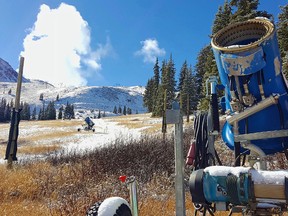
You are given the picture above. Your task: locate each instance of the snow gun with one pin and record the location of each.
(255, 102)
(89, 124)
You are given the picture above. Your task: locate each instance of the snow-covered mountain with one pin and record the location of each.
(7, 73)
(86, 99)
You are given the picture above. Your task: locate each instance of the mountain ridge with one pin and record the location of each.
(86, 99)
(7, 73)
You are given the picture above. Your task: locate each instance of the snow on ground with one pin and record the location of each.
(65, 134)
(105, 133)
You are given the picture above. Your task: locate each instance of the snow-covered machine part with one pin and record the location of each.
(249, 66)
(239, 186)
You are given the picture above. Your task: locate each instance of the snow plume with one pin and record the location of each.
(57, 48)
(150, 50)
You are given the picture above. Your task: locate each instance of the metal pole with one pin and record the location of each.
(133, 195)
(179, 168)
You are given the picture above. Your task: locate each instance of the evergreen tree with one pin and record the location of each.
(129, 111)
(57, 97)
(124, 110)
(149, 95)
(72, 112)
(115, 110)
(283, 38)
(10, 91)
(33, 116)
(119, 110)
(7, 113)
(25, 112)
(246, 9)
(2, 109)
(50, 111)
(183, 73)
(41, 97)
(60, 113)
(69, 111)
(40, 115)
(222, 18)
(170, 86)
(99, 115)
(188, 94)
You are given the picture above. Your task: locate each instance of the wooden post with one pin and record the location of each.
(13, 134)
(164, 124)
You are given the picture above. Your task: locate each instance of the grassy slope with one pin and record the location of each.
(68, 185)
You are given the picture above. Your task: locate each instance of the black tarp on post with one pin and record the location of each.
(11, 149)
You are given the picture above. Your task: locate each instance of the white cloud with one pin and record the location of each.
(57, 48)
(150, 50)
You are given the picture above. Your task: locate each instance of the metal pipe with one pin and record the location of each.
(273, 99)
(133, 195)
(238, 89)
(259, 152)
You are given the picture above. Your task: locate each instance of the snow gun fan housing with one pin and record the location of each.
(256, 101)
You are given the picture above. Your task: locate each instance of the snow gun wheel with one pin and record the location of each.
(93, 130)
(78, 129)
(113, 206)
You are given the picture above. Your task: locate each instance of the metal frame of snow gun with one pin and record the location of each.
(89, 125)
(249, 67)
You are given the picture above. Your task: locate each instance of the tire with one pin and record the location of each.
(93, 130)
(113, 206)
(78, 129)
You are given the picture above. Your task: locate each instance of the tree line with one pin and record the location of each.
(45, 112)
(161, 89)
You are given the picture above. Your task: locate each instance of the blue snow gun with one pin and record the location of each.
(256, 108)
(256, 101)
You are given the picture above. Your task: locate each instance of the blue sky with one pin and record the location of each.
(105, 43)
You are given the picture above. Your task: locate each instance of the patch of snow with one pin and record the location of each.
(225, 170)
(269, 177)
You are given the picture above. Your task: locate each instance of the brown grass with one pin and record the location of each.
(69, 185)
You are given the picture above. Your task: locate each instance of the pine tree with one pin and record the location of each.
(183, 74)
(2, 109)
(69, 111)
(60, 113)
(41, 97)
(171, 83)
(33, 116)
(188, 94)
(222, 18)
(149, 95)
(99, 114)
(40, 115)
(7, 113)
(115, 110)
(50, 111)
(25, 112)
(283, 38)
(119, 110)
(246, 9)
(124, 110)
